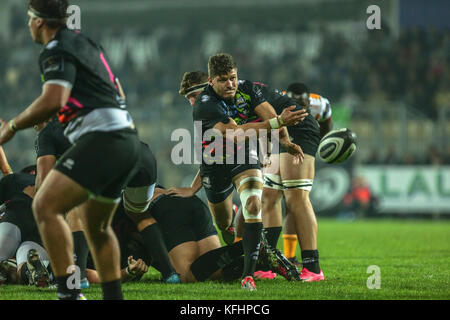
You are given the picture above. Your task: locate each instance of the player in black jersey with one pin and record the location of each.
(51, 143)
(223, 107)
(19, 235)
(286, 177)
(80, 86)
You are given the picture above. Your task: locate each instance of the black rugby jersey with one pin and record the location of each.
(75, 58)
(71, 59)
(51, 140)
(276, 98)
(13, 184)
(210, 109)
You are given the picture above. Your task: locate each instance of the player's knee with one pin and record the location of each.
(253, 205)
(40, 211)
(223, 223)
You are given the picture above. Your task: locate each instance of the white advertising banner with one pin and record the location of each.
(409, 189)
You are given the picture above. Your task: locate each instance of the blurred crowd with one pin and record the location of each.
(391, 156)
(150, 62)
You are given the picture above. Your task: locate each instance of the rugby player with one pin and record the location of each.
(191, 87)
(285, 177)
(194, 247)
(80, 86)
(19, 235)
(227, 105)
(51, 143)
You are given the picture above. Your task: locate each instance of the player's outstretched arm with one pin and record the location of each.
(237, 133)
(53, 97)
(4, 165)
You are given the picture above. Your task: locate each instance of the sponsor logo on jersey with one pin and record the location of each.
(68, 164)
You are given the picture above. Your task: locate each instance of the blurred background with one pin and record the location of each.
(391, 86)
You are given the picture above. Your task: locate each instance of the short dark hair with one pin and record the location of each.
(298, 88)
(192, 79)
(53, 12)
(220, 64)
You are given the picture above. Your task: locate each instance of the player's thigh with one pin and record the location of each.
(182, 256)
(292, 169)
(96, 216)
(274, 165)
(250, 173)
(271, 197)
(58, 194)
(208, 244)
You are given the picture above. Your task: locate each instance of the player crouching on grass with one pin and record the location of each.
(193, 244)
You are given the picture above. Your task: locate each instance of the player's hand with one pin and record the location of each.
(294, 150)
(291, 118)
(136, 267)
(5, 132)
(181, 192)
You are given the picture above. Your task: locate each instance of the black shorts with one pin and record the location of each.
(102, 162)
(147, 174)
(182, 219)
(19, 213)
(306, 134)
(218, 179)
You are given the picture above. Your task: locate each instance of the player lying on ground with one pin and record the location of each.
(194, 247)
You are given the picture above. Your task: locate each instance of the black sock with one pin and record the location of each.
(208, 263)
(251, 242)
(81, 251)
(156, 248)
(112, 290)
(272, 234)
(310, 260)
(63, 292)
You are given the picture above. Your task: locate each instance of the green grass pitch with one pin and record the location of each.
(413, 258)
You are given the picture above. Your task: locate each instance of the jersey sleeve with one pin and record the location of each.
(209, 111)
(255, 90)
(44, 144)
(57, 65)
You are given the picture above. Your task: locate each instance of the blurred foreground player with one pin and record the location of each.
(80, 86)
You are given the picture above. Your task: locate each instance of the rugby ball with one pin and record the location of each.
(337, 146)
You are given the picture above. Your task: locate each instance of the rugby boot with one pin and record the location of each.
(84, 283)
(172, 278)
(264, 275)
(309, 276)
(277, 262)
(38, 273)
(248, 284)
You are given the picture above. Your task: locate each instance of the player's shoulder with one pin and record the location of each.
(66, 42)
(317, 96)
(206, 99)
